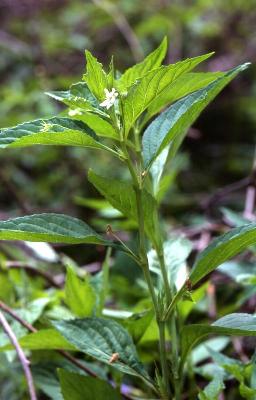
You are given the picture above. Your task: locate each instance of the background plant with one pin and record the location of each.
(141, 92)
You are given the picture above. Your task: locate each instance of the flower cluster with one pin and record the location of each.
(110, 98)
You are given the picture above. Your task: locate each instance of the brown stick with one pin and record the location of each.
(24, 362)
(250, 196)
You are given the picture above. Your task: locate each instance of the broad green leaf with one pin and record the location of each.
(174, 122)
(152, 61)
(231, 325)
(122, 196)
(149, 87)
(222, 249)
(100, 338)
(80, 387)
(53, 131)
(46, 339)
(78, 96)
(95, 76)
(55, 228)
(184, 85)
(79, 294)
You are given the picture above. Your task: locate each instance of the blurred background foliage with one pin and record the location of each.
(42, 48)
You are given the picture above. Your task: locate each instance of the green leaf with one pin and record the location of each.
(232, 325)
(100, 338)
(95, 76)
(53, 131)
(55, 228)
(152, 61)
(185, 84)
(121, 195)
(46, 339)
(222, 249)
(138, 323)
(149, 87)
(98, 125)
(80, 387)
(174, 122)
(78, 96)
(79, 295)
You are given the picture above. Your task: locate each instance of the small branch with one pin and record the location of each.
(212, 309)
(21, 355)
(249, 202)
(123, 26)
(251, 193)
(15, 316)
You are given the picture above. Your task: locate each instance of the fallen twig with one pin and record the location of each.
(24, 361)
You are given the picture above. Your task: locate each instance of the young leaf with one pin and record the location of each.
(79, 295)
(55, 228)
(174, 122)
(232, 325)
(78, 95)
(46, 339)
(221, 249)
(152, 61)
(122, 196)
(95, 76)
(102, 338)
(53, 131)
(152, 85)
(80, 387)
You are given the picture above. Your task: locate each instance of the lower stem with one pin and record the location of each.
(163, 359)
(170, 292)
(144, 264)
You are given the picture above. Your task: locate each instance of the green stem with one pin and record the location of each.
(144, 264)
(167, 287)
(163, 359)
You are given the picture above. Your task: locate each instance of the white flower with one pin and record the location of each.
(110, 98)
(74, 112)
